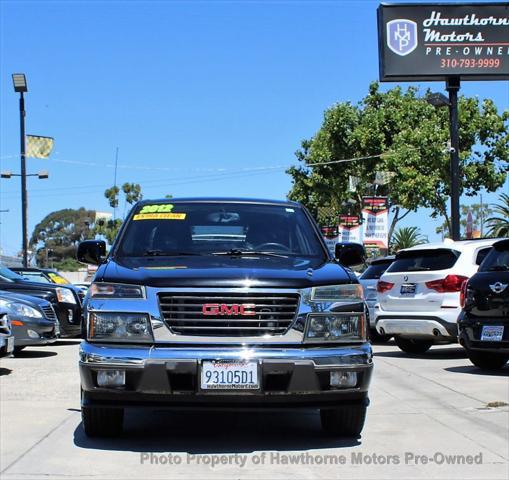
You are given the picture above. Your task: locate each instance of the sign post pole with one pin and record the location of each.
(452, 86)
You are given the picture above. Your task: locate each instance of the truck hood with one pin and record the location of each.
(219, 271)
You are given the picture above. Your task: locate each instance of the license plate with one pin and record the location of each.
(229, 375)
(407, 289)
(10, 344)
(492, 333)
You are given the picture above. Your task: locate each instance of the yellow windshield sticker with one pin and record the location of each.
(57, 278)
(160, 208)
(160, 216)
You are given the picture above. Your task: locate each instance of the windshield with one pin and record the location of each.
(496, 260)
(34, 277)
(9, 274)
(424, 260)
(216, 228)
(375, 270)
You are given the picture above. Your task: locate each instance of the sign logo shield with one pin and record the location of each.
(402, 36)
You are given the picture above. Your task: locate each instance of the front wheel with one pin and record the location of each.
(346, 421)
(410, 345)
(18, 350)
(488, 360)
(102, 422)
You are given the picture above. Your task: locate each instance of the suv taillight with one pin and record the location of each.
(382, 287)
(451, 283)
(463, 294)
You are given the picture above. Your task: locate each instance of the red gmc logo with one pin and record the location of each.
(244, 309)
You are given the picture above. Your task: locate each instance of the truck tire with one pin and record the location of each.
(487, 360)
(410, 345)
(102, 422)
(346, 421)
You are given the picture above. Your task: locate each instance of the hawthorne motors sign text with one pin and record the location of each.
(436, 41)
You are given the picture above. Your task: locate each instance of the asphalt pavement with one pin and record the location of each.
(432, 416)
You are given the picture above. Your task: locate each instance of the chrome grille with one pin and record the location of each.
(264, 314)
(49, 313)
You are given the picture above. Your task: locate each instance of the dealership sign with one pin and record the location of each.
(375, 213)
(349, 228)
(428, 42)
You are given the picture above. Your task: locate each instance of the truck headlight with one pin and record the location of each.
(20, 309)
(65, 295)
(115, 290)
(349, 292)
(330, 327)
(120, 327)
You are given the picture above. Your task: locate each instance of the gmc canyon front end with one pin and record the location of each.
(223, 303)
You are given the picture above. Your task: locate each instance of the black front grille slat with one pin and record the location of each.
(49, 312)
(274, 314)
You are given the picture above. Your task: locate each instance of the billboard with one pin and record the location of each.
(427, 42)
(330, 235)
(375, 213)
(349, 228)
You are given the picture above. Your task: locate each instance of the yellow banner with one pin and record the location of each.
(39, 147)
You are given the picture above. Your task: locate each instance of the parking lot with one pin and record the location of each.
(431, 416)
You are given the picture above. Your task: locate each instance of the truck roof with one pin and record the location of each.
(222, 200)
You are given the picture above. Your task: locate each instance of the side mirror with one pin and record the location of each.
(349, 254)
(92, 251)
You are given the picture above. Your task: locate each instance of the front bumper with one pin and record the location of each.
(290, 377)
(25, 335)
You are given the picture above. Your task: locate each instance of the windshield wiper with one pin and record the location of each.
(234, 252)
(498, 268)
(418, 269)
(160, 253)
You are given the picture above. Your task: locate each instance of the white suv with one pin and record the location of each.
(419, 294)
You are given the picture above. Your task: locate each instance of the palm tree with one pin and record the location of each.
(499, 226)
(406, 237)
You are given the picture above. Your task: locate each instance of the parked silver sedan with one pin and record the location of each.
(32, 319)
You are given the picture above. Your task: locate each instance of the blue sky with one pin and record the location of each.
(196, 95)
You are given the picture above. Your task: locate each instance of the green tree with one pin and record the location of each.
(406, 237)
(499, 225)
(480, 214)
(57, 236)
(400, 133)
(109, 228)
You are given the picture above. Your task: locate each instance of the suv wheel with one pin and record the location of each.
(102, 422)
(376, 337)
(409, 345)
(487, 360)
(346, 421)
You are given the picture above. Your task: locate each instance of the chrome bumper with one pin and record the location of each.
(138, 356)
(170, 377)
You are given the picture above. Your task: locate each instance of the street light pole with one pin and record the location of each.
(452, 86)
(24, 209)
(20, 86)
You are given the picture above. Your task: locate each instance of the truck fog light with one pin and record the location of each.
(343, 379)
(111, 378)
(32, 334)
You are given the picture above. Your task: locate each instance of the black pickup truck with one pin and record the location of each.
(484, 321)
(224, 303)
(65, 300)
